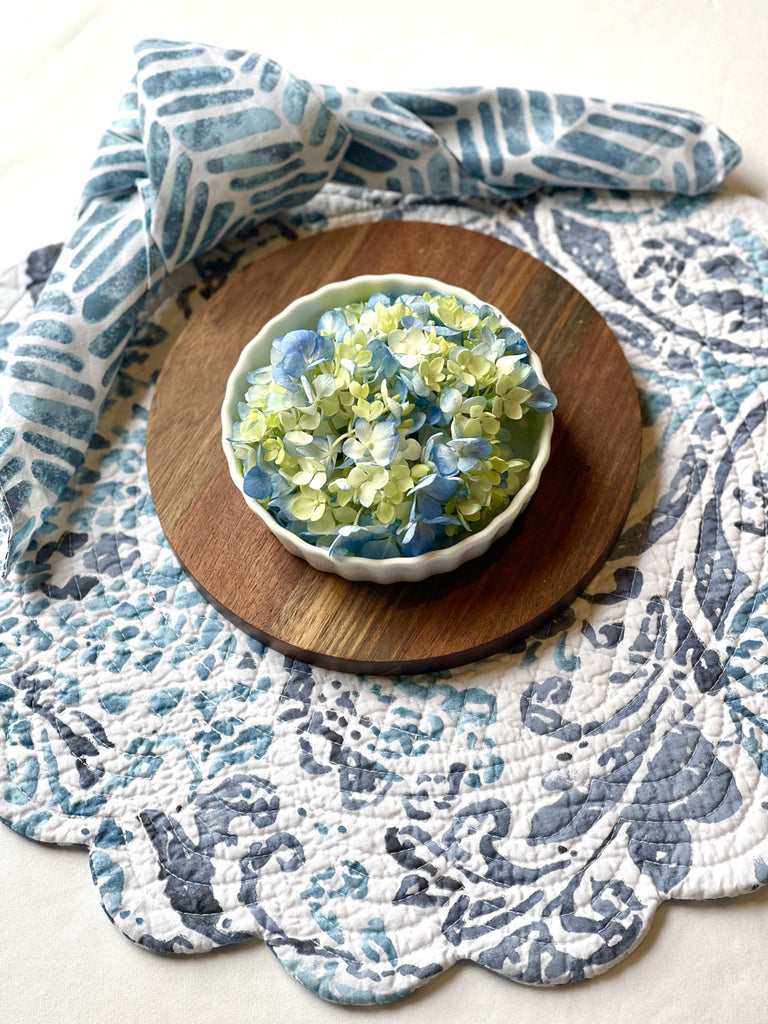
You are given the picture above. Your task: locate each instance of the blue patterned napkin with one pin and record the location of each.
(529, 812)
(208, 143)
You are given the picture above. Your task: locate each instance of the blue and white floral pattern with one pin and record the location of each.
(528, 812)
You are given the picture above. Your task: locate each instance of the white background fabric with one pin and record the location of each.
(62, 71)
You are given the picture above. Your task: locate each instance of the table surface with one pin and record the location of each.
(63, 69)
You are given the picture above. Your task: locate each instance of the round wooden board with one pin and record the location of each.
(448, 620)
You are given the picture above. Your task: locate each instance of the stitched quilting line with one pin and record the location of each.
(260, 932)
(703, 391)
(617, 805)
(415, 951)
(689, 673)
(393, 726)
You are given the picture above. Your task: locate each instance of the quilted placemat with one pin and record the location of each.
(528, 812)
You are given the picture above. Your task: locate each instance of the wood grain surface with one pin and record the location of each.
(524, 579)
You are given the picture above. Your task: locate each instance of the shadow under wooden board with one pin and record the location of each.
(448, 620)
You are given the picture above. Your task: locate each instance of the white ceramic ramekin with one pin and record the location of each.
(304, 314)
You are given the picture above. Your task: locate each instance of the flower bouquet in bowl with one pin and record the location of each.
(387, 428)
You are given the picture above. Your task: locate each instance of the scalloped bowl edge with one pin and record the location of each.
(303, 313)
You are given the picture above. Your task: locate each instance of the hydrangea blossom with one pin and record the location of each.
(393, 428)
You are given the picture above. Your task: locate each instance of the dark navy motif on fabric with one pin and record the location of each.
(529, 812)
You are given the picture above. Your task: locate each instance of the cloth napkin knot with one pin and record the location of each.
(209, 142)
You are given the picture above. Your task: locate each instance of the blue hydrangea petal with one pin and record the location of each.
(257, 484)
(417, 304)
(333, 322)
(417, 538)
(515, 343)
(451, 333)
(440, 487)
(542, 399)
(350, 539)
(297, 351)
(445, 459)
(411, 321)
(384, 365)
(450, 400)
(472, 447)
(386, 547)
(280, 507)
